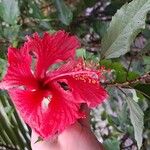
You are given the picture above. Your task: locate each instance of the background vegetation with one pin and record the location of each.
(120, 43)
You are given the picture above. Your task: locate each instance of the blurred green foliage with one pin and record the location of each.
(122, 46)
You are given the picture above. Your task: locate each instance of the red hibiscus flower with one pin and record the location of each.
(48, 85)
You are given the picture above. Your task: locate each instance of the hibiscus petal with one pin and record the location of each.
(87, 90)
(59, 114)
(18, 72)
(52, 48)
(65, 68)
(83, 83)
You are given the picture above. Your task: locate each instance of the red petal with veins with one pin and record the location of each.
(52, 48)
(18, 72)
(87, 90)
(28, 104)
(59, 114)
(84, 87)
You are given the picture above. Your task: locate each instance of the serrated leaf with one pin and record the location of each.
(137, 118)
(124, 27)
(64, 12)
(10, 11)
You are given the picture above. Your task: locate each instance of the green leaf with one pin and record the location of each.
(123, 116)
(120, 71)
(64, 12)
(124, 27)
(9, 111)
(92, 56)
(100, 27)
(89, 3)
(113, 6)
(2, 67)
(143, 88)
(10, 11)
(132, 75)
(106, 62)
(147, 63)
(81, 52)
(146, 49)
(146, 33)
(11, 32)
(113, 120)
(12, 130)
(137, 118)
(35, 10)
(111, 144)
(1, 9)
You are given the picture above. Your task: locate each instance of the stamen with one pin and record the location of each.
(86, 78)
(71, 74)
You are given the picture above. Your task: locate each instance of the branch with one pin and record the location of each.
(145, 79)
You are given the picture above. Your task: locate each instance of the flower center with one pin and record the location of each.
(42, 85)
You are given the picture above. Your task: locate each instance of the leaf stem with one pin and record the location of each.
(127, 84)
